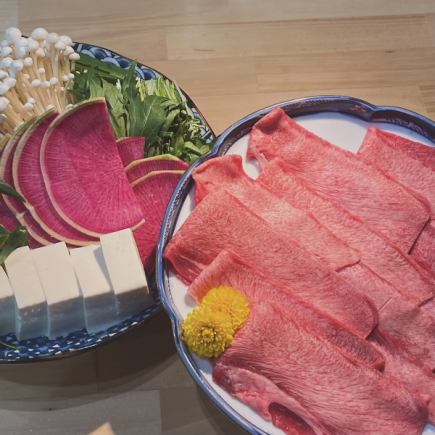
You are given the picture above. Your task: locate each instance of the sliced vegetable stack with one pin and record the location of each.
(69, 170)
(87, 148)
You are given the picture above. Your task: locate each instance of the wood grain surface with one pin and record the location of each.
(232, 57)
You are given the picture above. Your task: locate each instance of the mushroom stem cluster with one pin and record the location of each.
(34, 74)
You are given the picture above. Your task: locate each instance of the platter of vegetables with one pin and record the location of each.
(92, 146)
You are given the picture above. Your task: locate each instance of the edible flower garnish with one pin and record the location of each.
(207, 333)
(210, 328)
(228, 301)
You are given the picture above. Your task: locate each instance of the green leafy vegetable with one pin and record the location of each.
(154, 108)
(7, 189)
(9, 241)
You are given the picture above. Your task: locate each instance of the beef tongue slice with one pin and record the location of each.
(384, 258)
(336, 396)
(413, 165)
(221, 222)
(227, 269)
(341, 177)
(293, 223)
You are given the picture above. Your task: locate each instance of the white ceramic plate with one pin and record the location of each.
(341, 129)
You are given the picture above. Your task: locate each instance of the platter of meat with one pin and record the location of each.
(296, 262)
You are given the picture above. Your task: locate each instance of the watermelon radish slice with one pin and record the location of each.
(17, 208)
(29, 182)
(139, 168)
(10, 222)
(130, 148)
(84, 174)
(7, 218)
(153, 192)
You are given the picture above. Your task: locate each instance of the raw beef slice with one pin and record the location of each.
(395, 283)
(416, 150)
(227, 269)
(341, 177)
(330, 393)
(406, 370)
(424, 248)
(413, 165)
(221, 222)
(382, 257)
(296, 225)
(399, 164)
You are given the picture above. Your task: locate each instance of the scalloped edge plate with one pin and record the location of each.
(338, 119)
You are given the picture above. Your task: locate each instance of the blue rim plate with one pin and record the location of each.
(360, 110)
(41, 348)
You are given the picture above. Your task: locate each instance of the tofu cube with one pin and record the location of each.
(94, 281)
(7, 305)
(126, 273)
(61, 288)
(30, 300)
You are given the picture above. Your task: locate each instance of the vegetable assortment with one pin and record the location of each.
(42, 74)
(152, 108)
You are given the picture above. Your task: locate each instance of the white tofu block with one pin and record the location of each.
(126, 273)
(7, 305)
(94, 281)
(61, 288)
(30, 301)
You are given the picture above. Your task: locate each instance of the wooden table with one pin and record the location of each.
(232, 57)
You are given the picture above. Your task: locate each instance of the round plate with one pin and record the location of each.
(341, 120)
(41, 348)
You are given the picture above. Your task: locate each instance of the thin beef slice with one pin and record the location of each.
(400, 165)
(341, 177)
(385, 271)
(406, 370)
(288, 421)
(221, 222)
(337, 395)
(424, 249)
(413, 165)
(295, 224)
(416, 150)
(382, 257)
(227, 269)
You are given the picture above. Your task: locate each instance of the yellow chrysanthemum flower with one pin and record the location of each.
(207, 333)
(209, 329)
(228, 301)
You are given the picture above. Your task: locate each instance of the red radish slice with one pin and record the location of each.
(7, 218)
(139, 168)
(83, 172)
(17, 207)
(153, 192)
(10, 222)
(29, 182)
(130, 148)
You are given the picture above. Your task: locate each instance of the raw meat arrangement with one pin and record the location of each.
(335, 254)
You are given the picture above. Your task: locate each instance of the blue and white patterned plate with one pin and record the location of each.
(341, 120)
(41, 348)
